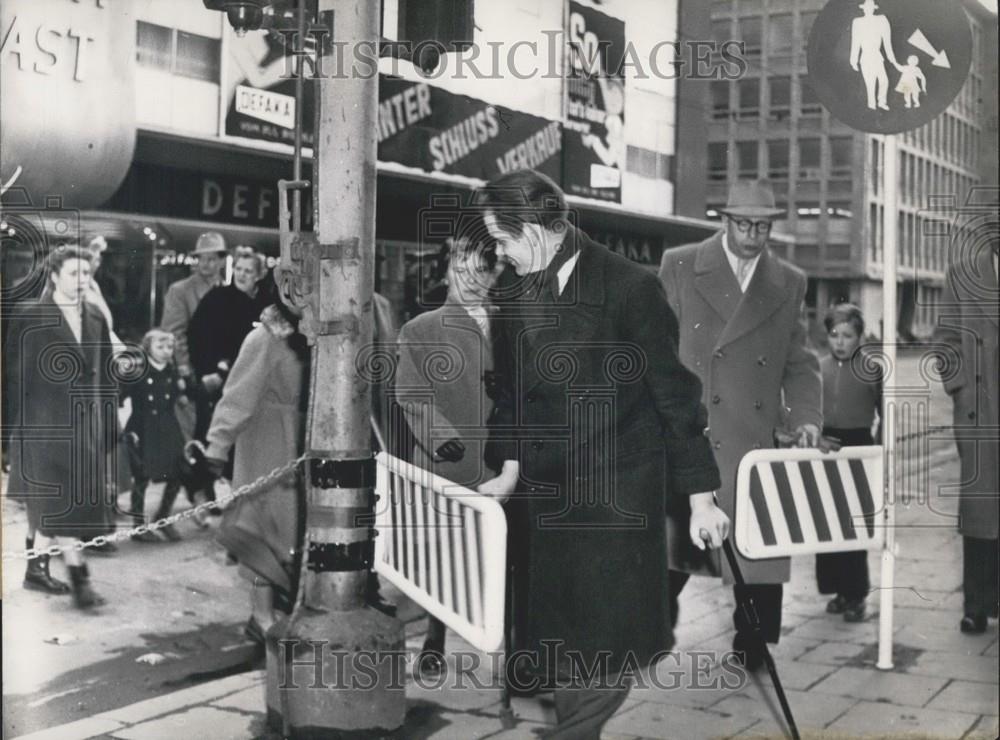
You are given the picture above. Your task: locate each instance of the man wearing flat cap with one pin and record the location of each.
(742, 332)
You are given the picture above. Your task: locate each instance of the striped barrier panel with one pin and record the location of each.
(445, 547)
(802, 501)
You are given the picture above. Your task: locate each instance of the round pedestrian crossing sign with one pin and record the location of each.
(886, 66)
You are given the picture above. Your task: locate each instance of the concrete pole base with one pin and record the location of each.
(336, 674)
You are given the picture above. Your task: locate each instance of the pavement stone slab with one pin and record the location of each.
(878, 686)
(200, 694)
(878, 719)
(833, 653)
(794, 674)
(832, 628)
(793, 648)
(813, 711)
(248, 700)
(981, 668)
(648, 719)
(425, 722)
(461, 700)
(988, 728)
(193, 723)
(948, 640)
(911, 598)
(689, 681)
(966, 696)
(539, 709)
(79, 730)
(916, 575)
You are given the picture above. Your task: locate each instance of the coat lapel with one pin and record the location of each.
(714, 279)
(574, 317)
(764, 296)
(90, 333)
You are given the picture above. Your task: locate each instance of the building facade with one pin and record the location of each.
(769, 123)
(212, 118)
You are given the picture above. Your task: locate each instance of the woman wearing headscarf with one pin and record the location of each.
(261, 416)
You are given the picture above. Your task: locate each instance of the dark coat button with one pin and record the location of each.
(972, 414)
(762, 361)
(716, 399)
(757, 404)
(718, 445)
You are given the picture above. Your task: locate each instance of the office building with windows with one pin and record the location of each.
(769, 123)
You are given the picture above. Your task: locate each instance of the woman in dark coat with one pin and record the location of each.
(60, 380)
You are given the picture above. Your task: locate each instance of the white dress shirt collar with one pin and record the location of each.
(734, 264)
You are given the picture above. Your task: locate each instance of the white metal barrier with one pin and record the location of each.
(803, 501)
(445, 547)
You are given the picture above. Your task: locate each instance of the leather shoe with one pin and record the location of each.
(107, 549)
(147, 537)
(973, 624)
(836, 605)
(854, 611)
(747, 652)
(37, 578)
(430, 663)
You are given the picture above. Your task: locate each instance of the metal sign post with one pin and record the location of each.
(883, 68)
(890, 246)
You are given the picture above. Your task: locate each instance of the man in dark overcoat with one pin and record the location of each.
(967, 323)
(597, 426)
(742, 332)
(63, 402)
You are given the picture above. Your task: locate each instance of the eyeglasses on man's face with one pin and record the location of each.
(745, 225)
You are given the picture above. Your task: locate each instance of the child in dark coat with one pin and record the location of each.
(156, 440)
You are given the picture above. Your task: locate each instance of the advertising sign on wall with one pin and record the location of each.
(420, 125)
(594, 134)
(437, 131)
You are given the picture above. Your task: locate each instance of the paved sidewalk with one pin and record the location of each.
(944, 684)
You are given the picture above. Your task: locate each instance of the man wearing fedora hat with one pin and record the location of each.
(184, 296)
(741, 331)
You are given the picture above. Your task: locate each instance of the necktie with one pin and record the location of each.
(742, 270)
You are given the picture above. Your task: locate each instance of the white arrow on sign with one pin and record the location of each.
(940, 58)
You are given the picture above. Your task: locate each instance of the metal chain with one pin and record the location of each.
(924, 432)
(249, 489)
(263, 482)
